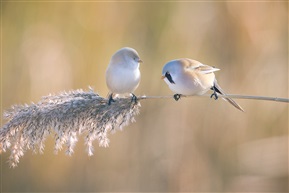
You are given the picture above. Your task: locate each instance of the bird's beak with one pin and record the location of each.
(140, 61)
(163, 77)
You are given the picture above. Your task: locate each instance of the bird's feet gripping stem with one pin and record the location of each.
(177, 97)
(133, 98)
(110, 99)
(214, 95)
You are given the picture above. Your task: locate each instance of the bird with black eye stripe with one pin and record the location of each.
(189, 77)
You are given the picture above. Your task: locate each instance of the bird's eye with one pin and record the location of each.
(169, 77)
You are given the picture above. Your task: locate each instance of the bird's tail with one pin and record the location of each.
(219, 90)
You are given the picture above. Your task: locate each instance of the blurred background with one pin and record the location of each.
(194, 145)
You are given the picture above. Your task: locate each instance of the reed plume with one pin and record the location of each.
(66, 116)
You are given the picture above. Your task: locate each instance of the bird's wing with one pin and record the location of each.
(203, 69)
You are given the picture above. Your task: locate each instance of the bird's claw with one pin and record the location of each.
(177, 97)
(133, 98)
(214, 95)
(110, 99)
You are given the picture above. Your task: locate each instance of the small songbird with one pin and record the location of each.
(122, 73)
(190, 77)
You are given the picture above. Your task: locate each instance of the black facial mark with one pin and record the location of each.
(169, 77)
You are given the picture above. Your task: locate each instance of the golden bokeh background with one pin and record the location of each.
(196, 144)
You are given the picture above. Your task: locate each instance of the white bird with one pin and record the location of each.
(189, 77)
(122, 73)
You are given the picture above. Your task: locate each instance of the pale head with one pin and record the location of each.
(173, 68)
(127, 57)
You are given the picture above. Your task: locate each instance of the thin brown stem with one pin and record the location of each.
(235, 96)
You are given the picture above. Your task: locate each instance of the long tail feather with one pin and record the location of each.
(219, 90)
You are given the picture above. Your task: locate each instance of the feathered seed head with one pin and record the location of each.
(66, 116)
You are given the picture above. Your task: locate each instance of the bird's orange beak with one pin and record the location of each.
(140, 61)
(163, 77)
